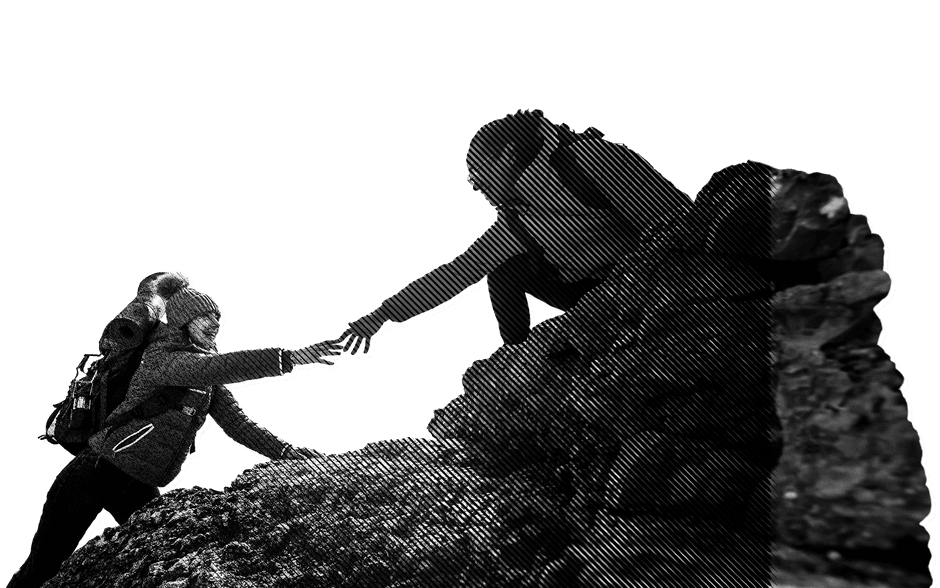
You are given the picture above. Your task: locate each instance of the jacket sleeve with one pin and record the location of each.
(189, 369)
(494, 247)
(230, 417)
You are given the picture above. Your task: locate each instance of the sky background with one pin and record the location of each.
(302, 162)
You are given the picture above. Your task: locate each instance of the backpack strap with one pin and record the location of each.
(575, 180)
(572, 176)
(102, 367)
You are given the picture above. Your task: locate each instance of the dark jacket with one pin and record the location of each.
(176, 386)
(580, 239)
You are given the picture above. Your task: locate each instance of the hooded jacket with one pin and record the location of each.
(172, 392)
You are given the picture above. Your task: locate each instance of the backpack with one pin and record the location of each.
(102, 379)
(96, 390)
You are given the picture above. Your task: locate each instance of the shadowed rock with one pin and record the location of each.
(630, 442)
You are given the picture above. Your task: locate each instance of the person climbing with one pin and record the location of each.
(148, 436)
(569, 206)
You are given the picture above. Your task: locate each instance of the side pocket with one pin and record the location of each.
(54, 419)
(133, 438)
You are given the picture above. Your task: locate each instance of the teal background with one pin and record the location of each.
(302, 163)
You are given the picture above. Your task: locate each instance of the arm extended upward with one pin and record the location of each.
(447, 284)
(436, 290)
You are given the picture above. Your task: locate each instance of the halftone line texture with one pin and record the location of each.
(544, 216)
(616, 424)
(630, 442)
(643, 460)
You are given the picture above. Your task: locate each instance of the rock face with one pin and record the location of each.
(850, 483)
(718, 408)
(654, 398)
(395, 514)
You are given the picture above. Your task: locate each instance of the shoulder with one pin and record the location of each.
(163, 357)
(165, 350)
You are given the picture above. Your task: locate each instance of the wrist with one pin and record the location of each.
(284, 450)
(384, 313)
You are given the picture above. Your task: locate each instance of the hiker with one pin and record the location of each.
(179, 382)
(569, 206)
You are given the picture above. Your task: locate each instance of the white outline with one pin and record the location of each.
(149, 429)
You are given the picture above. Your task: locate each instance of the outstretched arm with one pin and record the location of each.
(185, 368)
(494, 247)
(188, 369)
(239, 427)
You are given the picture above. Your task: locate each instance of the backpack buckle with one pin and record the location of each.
(188, 410)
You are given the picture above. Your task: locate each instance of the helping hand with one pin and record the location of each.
(362, 330)
(315, 353)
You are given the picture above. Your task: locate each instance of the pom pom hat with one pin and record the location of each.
(183, 303)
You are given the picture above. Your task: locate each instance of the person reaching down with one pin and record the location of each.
(569, 207)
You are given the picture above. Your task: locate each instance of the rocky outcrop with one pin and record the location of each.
(851, 491)
(393, 514)
(717, 410)
(654, 398)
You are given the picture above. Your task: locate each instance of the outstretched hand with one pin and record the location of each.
(317, 353)
(361, 331)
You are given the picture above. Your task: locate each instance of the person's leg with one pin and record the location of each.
(127, 494)
(71, 506)
(562, 295)
(507, 285)
(513, 279)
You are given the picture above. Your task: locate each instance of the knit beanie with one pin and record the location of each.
(183, 303)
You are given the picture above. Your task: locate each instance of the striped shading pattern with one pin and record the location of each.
(631, 442)
(570, 205)
(654, 399)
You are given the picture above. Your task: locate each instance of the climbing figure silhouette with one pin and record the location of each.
(569, 206)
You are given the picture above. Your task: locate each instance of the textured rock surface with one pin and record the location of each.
(851, 491)
(629, 442)
(398, 513)
(654, 397)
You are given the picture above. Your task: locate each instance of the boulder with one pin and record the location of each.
(717, 409)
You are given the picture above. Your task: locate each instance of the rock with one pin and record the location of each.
(717, 408)
(812, 215)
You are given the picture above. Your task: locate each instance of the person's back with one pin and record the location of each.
(588, 200)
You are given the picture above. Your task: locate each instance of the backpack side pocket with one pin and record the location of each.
(133, 438)
(152, 450)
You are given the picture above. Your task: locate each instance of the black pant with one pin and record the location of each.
(82, 489)
(521, 275)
